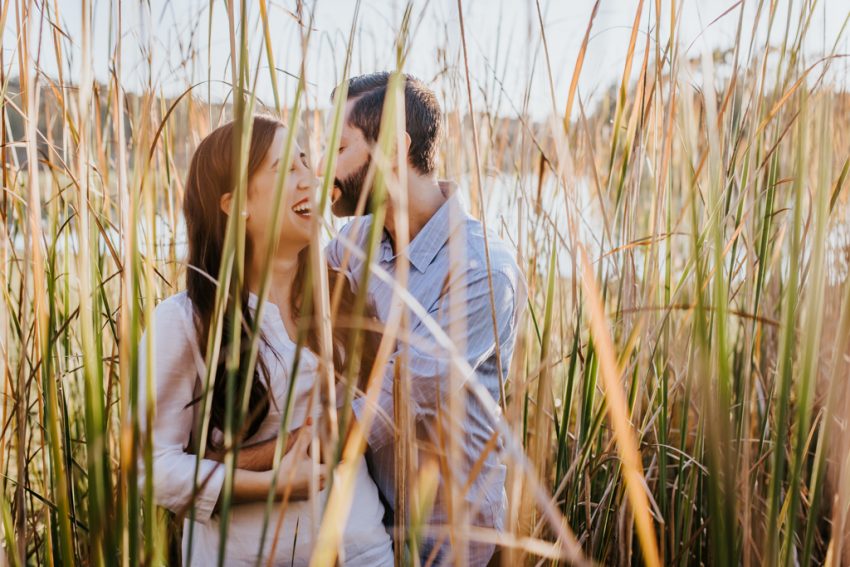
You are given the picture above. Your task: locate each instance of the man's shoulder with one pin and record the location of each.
(353, 233)
(503, 268)
(356, 229)
(502, 254)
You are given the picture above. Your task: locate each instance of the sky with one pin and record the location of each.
(503, 39)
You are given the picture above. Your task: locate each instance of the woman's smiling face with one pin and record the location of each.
(299, 194)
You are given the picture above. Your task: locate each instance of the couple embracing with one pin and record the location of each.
(488, 317)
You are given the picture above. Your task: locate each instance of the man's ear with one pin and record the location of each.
(225, 203)
(406, 142)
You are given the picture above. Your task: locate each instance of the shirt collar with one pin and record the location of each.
(431, 238)
(253, 301)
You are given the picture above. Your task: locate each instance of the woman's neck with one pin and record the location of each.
(282, 268)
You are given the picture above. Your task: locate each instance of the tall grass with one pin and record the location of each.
(677, 393)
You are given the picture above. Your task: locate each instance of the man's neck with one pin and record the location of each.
(425, 196)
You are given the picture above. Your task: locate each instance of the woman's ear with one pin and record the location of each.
(225, 202)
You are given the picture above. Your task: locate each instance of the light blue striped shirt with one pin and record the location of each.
(432, 280)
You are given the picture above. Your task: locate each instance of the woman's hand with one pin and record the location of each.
(297, 470)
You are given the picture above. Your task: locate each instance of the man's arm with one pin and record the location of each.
(430, 368)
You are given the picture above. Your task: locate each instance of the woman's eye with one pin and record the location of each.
(341, 149)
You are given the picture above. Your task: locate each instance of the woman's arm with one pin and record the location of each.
(255, 457)
(294, 477)
(167, 375)
(249, 486)
(168, 367)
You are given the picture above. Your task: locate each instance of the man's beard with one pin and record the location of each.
(350, 190)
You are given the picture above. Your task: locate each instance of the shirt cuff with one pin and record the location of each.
(382, 430)
(210, 483)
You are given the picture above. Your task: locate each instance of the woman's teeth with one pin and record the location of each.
(302, 209)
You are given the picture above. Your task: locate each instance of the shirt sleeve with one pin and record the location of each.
(172, 372)
(429, 363)
(333, 253)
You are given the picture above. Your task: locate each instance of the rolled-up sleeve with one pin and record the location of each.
(173, 371)
(333, 253)
(429, 364)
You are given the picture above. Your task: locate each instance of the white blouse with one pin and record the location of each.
(178, 369)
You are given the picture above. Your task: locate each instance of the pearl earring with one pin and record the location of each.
(245, 214)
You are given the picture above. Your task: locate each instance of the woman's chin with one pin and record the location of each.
(295, 241)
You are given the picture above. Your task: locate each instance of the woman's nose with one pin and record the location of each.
(308, 181)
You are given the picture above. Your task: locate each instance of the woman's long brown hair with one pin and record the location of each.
(210, 177)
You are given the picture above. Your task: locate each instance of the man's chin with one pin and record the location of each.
(338, 211)
(343, 207)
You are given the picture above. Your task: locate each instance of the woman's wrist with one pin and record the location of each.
(279, 478)
(251, 486)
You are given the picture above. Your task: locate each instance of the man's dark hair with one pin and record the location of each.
(422, 115)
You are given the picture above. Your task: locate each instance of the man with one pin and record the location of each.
(438, 227)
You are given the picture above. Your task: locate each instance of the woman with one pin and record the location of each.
(182, 325)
